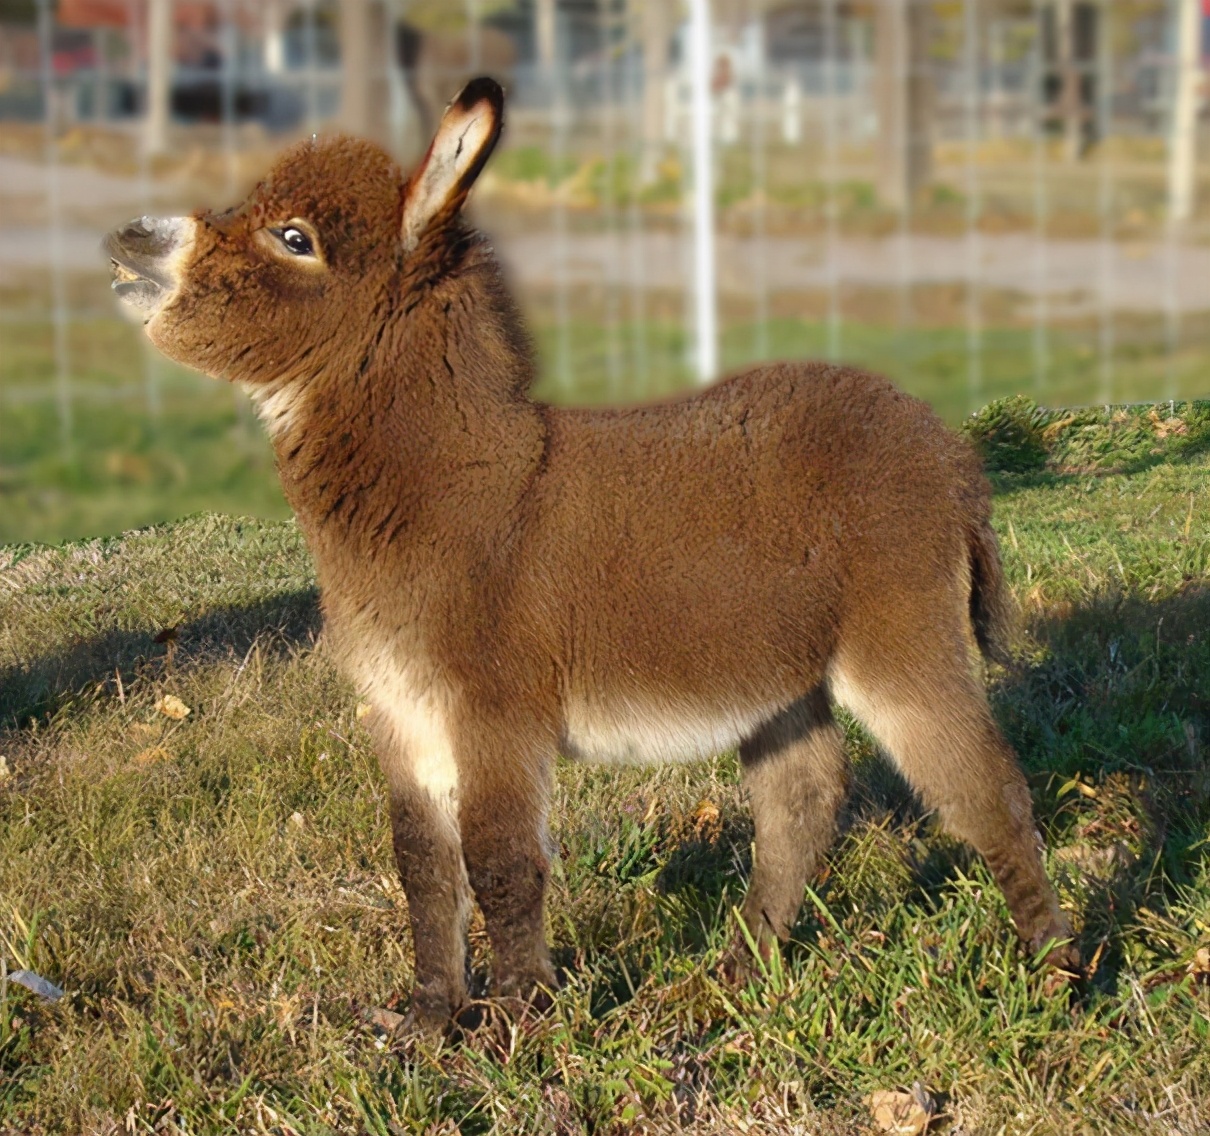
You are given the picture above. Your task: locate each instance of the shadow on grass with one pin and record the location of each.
(1110, 721)
(47, 683)
(1110, 724)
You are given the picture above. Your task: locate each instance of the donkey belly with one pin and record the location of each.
(625, 732)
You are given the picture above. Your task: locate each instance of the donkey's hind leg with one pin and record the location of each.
(923, 704)
(796, 773)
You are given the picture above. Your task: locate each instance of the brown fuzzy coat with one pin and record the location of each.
(505, 580)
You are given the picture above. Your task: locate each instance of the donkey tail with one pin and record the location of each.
(993, 612)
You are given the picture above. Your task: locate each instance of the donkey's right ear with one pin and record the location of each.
(463, 143)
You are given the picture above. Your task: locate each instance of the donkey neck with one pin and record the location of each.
(420, 449)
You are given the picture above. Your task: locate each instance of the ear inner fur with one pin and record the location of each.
(464, 141)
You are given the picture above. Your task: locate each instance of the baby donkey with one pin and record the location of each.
(506, 580)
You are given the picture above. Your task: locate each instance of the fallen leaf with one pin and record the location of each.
(172, 707)
(363, 708)
(707, 823)
(1165, 426)
(1200, 966)
(4, 769)
(1051, 433)
(151, 755)
(900, 1113)
(296, 819)
(285, 1010)
(384, 1019)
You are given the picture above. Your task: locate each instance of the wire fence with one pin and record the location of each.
(978, 197)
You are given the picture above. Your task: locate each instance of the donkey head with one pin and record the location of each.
(305, 265)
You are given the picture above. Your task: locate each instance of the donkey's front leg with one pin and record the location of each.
(503, 806)
(428, 854)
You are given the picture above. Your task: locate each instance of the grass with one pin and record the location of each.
(143, 446)
(149, 442)
(930, 362)
(597, 175)
(216, 894)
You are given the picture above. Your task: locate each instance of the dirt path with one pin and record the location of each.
(1079, 275)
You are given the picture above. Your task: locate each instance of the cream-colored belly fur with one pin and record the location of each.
(617, 733)
(634, 734)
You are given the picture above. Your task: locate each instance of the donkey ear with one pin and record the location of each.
(463, 142)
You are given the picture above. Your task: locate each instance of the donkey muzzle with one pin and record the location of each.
(145, 260)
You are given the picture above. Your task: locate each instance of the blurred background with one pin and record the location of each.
(976, 197)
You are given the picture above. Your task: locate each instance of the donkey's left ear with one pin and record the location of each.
(463, 143)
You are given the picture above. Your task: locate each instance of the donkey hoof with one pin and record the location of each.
(490, 1025)
(535, 991)
(1066, 957)
(737, 969)
(1065, 966)
(423, 1022)
(739, 966)
(1056, 937)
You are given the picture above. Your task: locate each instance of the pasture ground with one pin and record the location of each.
(215, 892)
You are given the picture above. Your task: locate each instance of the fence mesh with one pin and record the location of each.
(976, 197)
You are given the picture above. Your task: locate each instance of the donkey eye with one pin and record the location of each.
(297, 242)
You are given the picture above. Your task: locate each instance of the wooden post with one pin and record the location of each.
(701, 59)
(159, 76)
(364, 91)
(474, 38)
(274, 49)
(355, 65)
(654, 28)
(905, 100)
(1071, 103)
(1182, 143)
(546, 28)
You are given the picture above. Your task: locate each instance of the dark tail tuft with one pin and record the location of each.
(993, 613)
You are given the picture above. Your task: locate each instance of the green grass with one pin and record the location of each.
(132, 459)
(598, 173)
(217, 897)
(929, 362)
(142, 447)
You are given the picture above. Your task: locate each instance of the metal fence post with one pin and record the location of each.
(704, 286)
